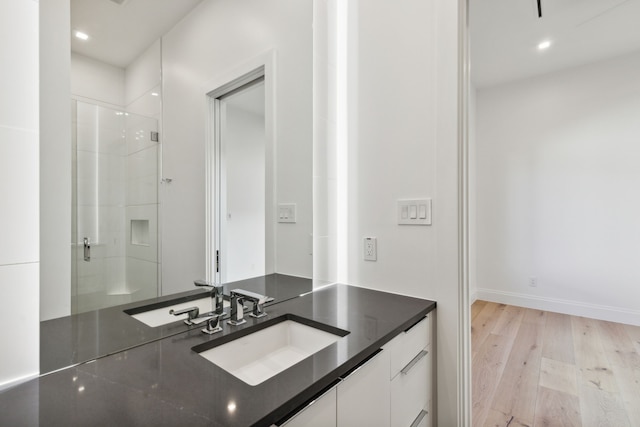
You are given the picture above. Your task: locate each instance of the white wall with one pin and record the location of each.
(557, 180)
(403, 143)
(55, 167)
(97, 82)
(143, 79)
(216, 37)
(19, 190)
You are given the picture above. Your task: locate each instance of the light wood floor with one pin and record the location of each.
(537, 368)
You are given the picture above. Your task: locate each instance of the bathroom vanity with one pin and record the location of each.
(377, 371)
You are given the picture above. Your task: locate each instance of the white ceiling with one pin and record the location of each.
(505, 34)
(120, 33)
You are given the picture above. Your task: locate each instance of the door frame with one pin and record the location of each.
(262, 65)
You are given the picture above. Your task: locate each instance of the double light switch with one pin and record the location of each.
(414, 212)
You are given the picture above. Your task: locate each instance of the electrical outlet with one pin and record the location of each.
(370, 249)
(533, 282)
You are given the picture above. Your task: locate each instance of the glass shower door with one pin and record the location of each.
(115, 207)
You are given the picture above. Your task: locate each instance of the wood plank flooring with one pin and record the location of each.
(534, 368)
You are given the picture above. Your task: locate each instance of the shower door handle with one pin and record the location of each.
(87, 249)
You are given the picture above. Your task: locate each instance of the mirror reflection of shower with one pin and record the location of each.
(114, 207)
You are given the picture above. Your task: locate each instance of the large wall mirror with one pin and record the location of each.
(140, 70)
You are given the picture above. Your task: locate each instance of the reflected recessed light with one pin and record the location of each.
(544, 45)
(82, 36)
(231, 407)
(154, 93)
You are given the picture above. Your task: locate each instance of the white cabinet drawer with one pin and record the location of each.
(321, 413)
(411, 390)
(363, 396)
(407, 345)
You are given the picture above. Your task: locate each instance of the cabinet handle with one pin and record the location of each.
(413, 362)
(360, 365)
(284, 421)
(415, 324)
(419, 418)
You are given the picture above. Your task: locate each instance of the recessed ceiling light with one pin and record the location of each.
(82, 36)
(544, 45)
(154, 93)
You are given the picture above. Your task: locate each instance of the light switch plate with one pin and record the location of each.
(414, 212)
(286, 212)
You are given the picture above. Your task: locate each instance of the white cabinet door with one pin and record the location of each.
(410, 391)
(363, 396)
(321, 413)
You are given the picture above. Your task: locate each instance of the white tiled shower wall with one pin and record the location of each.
(117, 181)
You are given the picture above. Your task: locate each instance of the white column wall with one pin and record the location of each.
(403, 143)
(19, 190)
(55, 167)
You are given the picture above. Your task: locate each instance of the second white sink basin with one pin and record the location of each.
(259, 356)
(161, 316)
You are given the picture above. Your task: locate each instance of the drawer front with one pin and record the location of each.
(411, 391)
(363, 396)
(322, 413)
(405, 346)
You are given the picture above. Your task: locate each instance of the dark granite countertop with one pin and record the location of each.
(82, 337)
(165, 382)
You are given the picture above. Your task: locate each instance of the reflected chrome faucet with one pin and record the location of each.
(192, 314)
(217, 297)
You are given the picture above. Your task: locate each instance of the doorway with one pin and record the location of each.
(241, 168)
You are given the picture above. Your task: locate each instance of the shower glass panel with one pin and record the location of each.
(115, 207)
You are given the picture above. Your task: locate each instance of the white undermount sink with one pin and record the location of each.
(256, 357)
(161, 316)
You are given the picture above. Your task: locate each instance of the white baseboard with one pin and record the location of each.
(15, 382)
(574, 308)
(473, 296)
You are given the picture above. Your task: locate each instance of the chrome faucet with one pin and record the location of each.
(238, 296)
(192, 314)
(217, 297)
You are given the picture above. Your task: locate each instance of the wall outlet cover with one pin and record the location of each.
(370, 249)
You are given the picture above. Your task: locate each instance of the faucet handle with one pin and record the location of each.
(213, 325)
(192, 313)
(258, 310)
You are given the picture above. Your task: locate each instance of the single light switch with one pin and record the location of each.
(413, 212)
(422, 211)
(405, 212)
